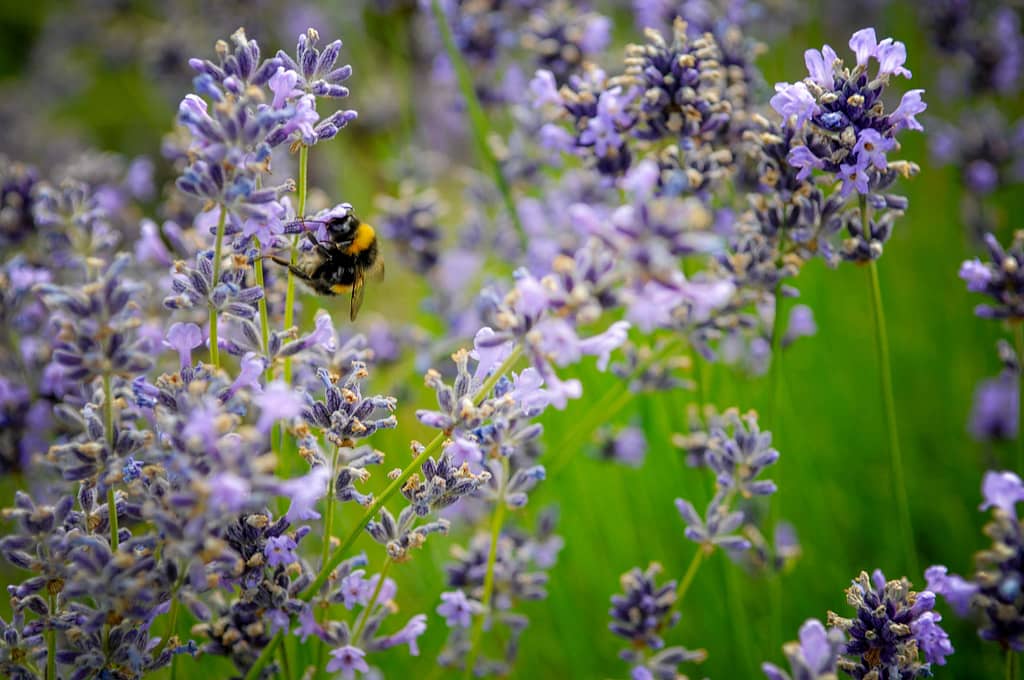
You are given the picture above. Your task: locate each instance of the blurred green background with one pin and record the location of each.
(834, 474)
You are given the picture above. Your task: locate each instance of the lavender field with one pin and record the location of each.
(647, 339)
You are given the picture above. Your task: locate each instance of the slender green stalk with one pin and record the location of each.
(430, 449)
(264, 658)
(1018, 336)
(775, 423)
(172, 628)
(889, 408)
(699, 378)
(373, 601)
(51, 639)
(302, 190)
(262, 304)
(492, 558)
(108, 426)
(328, 532)
(300, 212)
(477, 118)
(218, 253)
(1011, 665)
(775, 415)
(691, 573)
(283, 649)
(329, 512)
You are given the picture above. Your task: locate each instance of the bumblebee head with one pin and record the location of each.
(342, 229)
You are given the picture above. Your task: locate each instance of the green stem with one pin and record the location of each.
(430, 449)
(51, 639)
(699, 380)
(326, 547)
(289, 296)
(373, 601)
(776, 368)
(1018, 336)
(889, 404)
(329, 513)
(492, 558)
(262, 304)
(283, 649)
(477, 118)
(691, 573)
(300, 212)
(218, 249)
(172, 626)
(108, 426)
(775, 423)
(1011, 665)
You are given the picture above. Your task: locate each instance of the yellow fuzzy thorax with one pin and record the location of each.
(364, 237)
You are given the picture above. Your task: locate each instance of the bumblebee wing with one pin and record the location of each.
(358, 291)
(376, 270)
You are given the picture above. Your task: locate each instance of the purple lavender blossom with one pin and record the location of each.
(1002, 490)
(892, 623)
(1001, 279)
(958, 592)
(457, 609)
(280, 551)
(814, 657)
(846, 131)
(348, 660)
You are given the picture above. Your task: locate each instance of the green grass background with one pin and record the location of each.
(836, 486)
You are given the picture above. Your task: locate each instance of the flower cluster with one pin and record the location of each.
(519, 563)
(642, 614)
(892, 626)
(993, 592)
(737, 455)
(1002, 279)
(847, 133)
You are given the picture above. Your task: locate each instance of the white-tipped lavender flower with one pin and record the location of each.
(993, 593)
(682, 85)
(739, 452)
(892, 626)
(846, 133)
(96, 325)
(1002, 279)
(402, 534)
(642, 614)
(344, 415)
(719, 527)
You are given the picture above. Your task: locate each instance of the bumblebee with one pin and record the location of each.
(342, 263)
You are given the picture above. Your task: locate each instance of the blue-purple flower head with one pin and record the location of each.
(1001, 278)
(682, 83)
(891, 626)
(457, 609)
(562, 36)
(993, 594)
(847, 132)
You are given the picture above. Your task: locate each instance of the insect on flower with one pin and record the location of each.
(341, 258)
